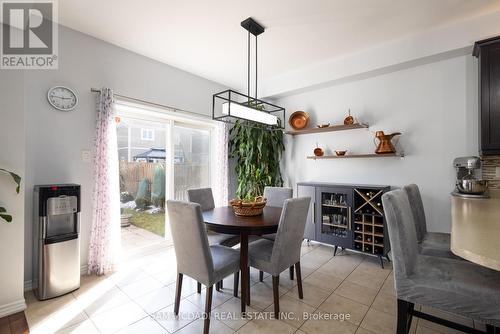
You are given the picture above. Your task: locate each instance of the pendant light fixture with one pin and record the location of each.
(230, 106)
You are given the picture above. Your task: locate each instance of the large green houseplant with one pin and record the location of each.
(257, 151)
(17, 179)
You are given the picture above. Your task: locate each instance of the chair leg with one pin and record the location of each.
(404, 316)
(199, 287)
(208, 310)
(221, 284)
(299, 280)
(261, 276)
(276, 282)
(235, 287)
(178, 291)
(291, 272)
(335, 250)
(248, 287)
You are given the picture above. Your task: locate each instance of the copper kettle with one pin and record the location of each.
(385, 145)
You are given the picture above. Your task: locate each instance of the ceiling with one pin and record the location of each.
(204, 37)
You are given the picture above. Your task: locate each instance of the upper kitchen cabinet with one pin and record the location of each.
(488, 52)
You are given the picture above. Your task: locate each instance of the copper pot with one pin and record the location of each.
(385, 145)
(318, 151)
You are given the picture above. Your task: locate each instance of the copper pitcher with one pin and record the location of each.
(385, 145)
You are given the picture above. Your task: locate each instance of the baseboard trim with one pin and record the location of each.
(28, 285)
(11, 308)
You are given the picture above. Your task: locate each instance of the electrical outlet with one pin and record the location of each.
(86, 156)
(497, 172)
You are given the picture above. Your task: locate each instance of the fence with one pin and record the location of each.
(186, 176)
(132, 173)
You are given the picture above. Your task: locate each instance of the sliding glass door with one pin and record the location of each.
(191, 158)
(161, 157)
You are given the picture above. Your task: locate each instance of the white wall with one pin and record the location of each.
(434, 105)
(455, 38)
(54, 140)
(12, 158)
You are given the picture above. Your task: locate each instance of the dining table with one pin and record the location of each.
(475, 229)
(224, 220)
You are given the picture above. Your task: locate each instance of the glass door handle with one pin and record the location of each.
(349, 214)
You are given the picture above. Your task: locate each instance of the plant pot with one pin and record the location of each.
(125, 219)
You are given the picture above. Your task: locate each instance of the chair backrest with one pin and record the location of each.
(286, 249)
(202, 196)
(417, 208)
(190, 240)
(402, 233)
(276, 196)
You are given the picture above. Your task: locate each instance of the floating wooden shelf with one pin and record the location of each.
(328, 129)
(350, 156)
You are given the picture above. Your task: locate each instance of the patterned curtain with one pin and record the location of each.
(105, 231)
(220, 185)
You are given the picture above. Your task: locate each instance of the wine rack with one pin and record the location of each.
(347, 216)
(369, 228)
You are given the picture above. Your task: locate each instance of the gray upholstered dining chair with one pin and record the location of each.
(205, 198)
(276, 197)
(197, 259)
(455, 286)
(430, 243)
(276, 256)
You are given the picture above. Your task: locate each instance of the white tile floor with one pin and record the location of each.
(134, 238)
(139, 299)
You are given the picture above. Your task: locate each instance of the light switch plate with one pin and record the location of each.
(497, 172)
(86, 155)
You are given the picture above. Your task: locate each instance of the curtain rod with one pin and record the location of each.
(95, 90)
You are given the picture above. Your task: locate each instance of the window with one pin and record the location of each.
(148, 134)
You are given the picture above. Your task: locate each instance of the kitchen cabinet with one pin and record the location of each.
(349, 216)
(488, 53)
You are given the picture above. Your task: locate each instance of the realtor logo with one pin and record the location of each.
(29, 34)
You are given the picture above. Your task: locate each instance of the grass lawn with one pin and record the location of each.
(152, 222)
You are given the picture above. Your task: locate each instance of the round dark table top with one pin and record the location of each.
(223, 220)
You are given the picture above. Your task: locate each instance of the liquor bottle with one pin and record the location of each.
(367, 249)
(357, 246)
(368, 239)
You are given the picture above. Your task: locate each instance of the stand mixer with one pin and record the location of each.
(469, 183)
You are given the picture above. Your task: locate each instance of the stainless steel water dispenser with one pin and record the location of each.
(56, 249)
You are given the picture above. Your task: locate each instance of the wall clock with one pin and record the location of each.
(62, 98)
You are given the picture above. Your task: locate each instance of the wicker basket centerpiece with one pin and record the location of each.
(248, 208)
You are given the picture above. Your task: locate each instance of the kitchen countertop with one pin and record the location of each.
(475, 230)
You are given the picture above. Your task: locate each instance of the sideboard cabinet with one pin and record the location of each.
(350, 216)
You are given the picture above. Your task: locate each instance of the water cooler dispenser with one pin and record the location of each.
(56, 249)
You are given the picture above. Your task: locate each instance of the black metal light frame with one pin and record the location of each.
(230, 96)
